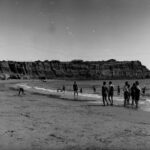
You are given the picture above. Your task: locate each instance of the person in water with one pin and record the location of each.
(137, 93)
(63, 89)
(104, 93)
(94, 89)
(110, 93)
(75, 88)
(126, 93)
(81, 90)
(118, 90)
(133, 93)
(143, 91)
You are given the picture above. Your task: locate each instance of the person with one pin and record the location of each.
(75, 88)
(94, 89)
(133, 93)
(126, 93)
(63, 89)
(81, 90)
(110, 93)
(104, 93)
(21, 91)
(118, 90)
(143, 90)
(137, 93)
(129, 94)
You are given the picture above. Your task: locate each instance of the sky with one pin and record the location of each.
(75, 29)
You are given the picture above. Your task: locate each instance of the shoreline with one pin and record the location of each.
(92, 99)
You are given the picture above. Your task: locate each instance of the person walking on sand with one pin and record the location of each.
(104, 93)
(75, 88)
(137, 93)
(126, 93)
(110, 93)
(133, 93)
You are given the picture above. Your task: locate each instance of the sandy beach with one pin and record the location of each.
(42, 122)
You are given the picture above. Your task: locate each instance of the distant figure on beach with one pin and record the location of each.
(137, 93)
(94, 89)
(126, 93)
(110, 93)
(63, 88)
(75, 88)
(143, 90)
(21, 91)
(129, 94)
(81, 90)
(133, 93)
(104, 93)
(118, 90)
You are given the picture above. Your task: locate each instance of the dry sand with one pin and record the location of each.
(34, 122)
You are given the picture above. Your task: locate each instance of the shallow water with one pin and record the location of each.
(144, 103)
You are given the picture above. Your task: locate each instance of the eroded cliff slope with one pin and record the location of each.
(76, 69)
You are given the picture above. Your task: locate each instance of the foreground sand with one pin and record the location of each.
(34, 121)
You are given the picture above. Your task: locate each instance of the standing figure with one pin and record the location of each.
(126, 93)
(81, 90)
(129, 94)
(75, 88)
(110, 93)
(133, 93)
(104, 93)
(118, 90)
(94, 89)
(137, 93)
(143, 91)
(63, 89)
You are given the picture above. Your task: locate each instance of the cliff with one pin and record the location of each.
(76, 69)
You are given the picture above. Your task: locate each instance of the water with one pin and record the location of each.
(51, 86)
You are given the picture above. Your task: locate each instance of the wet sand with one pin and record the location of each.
(36, 121)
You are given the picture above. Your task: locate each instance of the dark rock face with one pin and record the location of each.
(76, 69)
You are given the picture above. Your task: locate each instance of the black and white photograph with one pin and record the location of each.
(74, 74)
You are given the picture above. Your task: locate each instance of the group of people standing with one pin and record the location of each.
(107, 93)
(133, 92)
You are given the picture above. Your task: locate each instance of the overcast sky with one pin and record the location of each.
(75, 29)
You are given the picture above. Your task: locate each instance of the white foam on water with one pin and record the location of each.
(90, 95)
(44, 89)
(24, 85)
(141, 102)
(148, 100)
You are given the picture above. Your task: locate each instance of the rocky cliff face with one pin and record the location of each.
(76, 69)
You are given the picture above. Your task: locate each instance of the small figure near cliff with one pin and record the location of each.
(75, 88)
(110, 93)
(137, 93)
(118, 90)
(94, 89)
(21, 91)
(104, 93)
